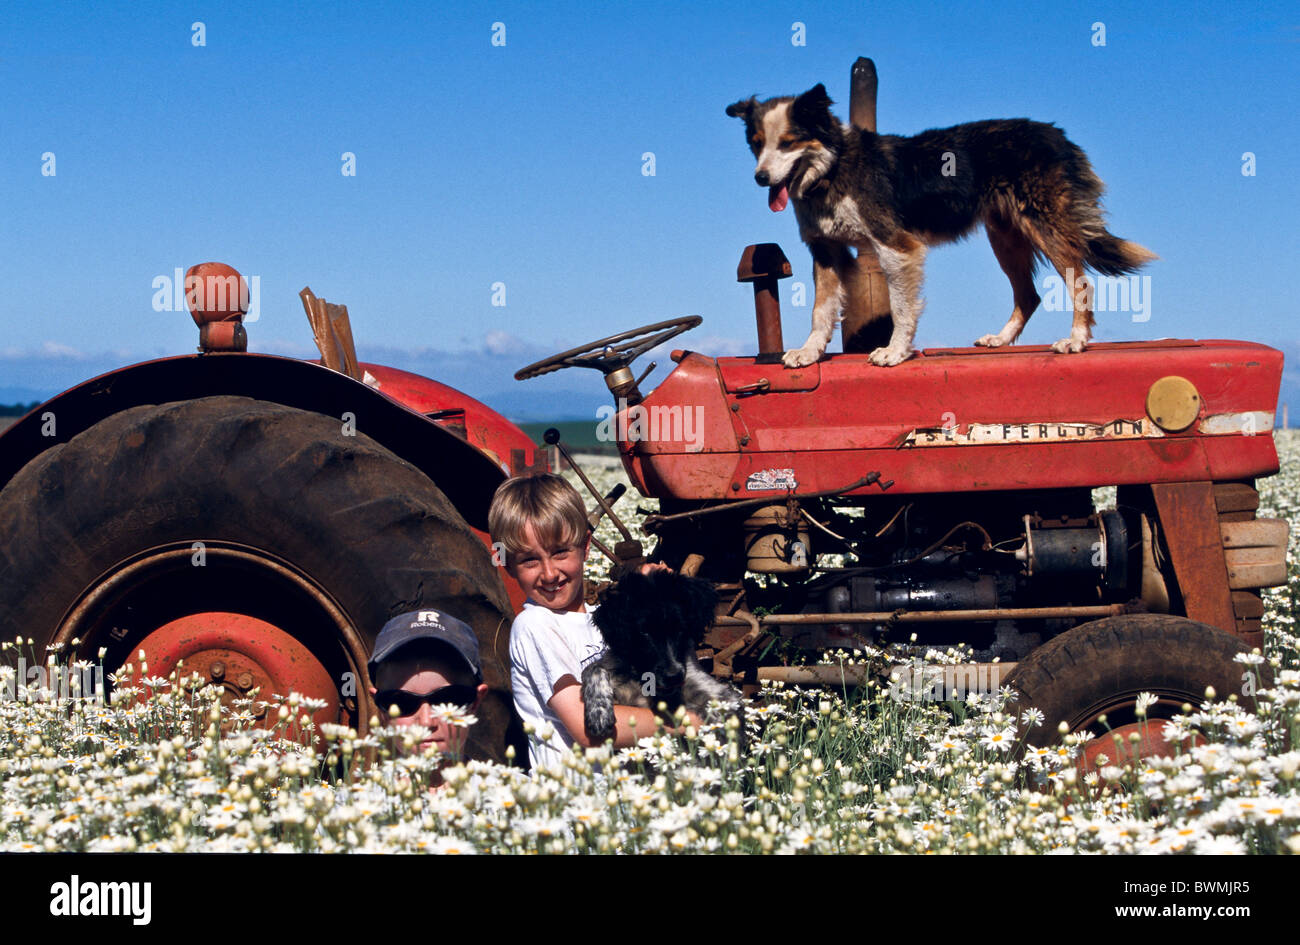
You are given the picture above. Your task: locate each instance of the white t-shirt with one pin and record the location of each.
(544, 647)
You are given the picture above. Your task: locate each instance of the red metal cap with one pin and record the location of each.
(762, 261)
(215, 292)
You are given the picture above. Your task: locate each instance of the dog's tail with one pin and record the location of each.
(1104, 252)
(1112, 256)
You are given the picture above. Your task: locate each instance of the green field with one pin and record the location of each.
(576, 435)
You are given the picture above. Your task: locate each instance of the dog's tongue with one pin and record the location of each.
(777, 198)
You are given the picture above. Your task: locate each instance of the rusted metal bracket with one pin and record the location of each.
(332, 330)
(552, 438)
(722, 660)
(1190, 520)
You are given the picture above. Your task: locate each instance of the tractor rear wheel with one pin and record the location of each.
(263, 545)
(1097, 670)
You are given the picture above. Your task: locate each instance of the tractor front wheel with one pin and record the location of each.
(262, 545)
(1090, 678)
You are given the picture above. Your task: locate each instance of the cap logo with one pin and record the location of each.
(429, 616)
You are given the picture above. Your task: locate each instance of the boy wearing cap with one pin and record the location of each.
(422, 659)
(542, 523)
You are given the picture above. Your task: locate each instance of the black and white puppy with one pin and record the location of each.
(1032, 188)
(652, 625)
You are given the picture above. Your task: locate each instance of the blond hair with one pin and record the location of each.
(546, 502)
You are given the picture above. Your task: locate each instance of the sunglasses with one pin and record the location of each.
(408, 703)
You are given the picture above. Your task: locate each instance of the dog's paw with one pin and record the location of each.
(888, 357)
(1069, 346)
(801, 357)
(990, 341)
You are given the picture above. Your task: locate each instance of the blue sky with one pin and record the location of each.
(523, 164)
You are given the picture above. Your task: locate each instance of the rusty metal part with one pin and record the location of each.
(596, 514)
(215, 292)
(332, 330)
(251, 651)
(630, 554)
(760, 386)
(604, 549)
(867, 323)
(217, 297)
(853, 675)
(863, 86)
(653, 523)
(223, 336)
(691, 566)
(1249, 566)
(644, 374)
(763, 264)
(1255, 552)
(1236, 501)
(552, 438)
(722, 659)
(1190, 522)
(1154, 589)
(937, 616)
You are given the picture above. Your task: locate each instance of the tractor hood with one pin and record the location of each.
(953, 419)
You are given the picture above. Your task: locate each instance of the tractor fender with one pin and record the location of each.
(467, 474)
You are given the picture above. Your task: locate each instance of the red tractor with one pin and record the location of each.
(259, 518)
(955, 492)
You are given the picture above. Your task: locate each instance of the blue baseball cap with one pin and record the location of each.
(434, 626)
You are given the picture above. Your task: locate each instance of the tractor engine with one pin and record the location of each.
(947, 556)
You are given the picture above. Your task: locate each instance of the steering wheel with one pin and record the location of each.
(617, 351)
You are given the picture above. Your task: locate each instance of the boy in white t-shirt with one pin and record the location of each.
(542, 522)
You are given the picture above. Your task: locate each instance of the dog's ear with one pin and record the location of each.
(623, 610)
(812, 111)
(743, 109)
(699, 601)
